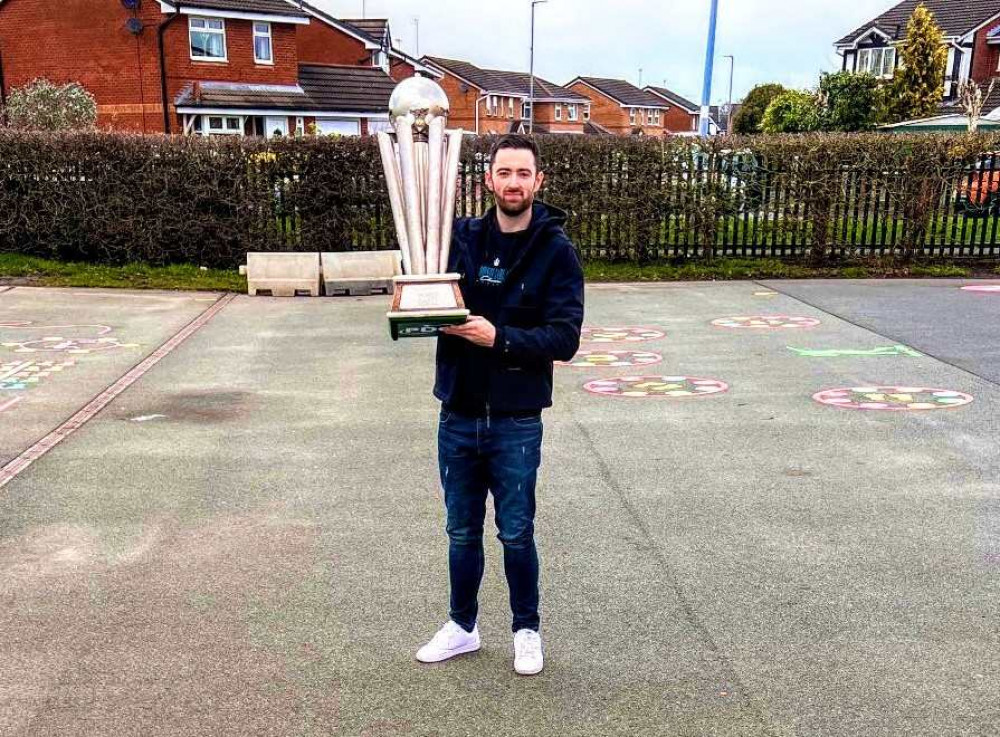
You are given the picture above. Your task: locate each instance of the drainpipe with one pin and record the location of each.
(3, 96)
(161, 29)
(484, 97)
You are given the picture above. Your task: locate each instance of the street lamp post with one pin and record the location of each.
(729, 100)
(531, 93)
(706, 93)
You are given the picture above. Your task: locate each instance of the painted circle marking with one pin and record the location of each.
(657, 386)
(893, 398)
(612, 359)
(765, 322)
(630, 334)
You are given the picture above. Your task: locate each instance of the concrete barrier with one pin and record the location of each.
(358, 273)
(283, 274)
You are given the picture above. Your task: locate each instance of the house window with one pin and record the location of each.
(223, 125)
(558, 109)
(572, 113)
(208, 38)
(586, 112)
(262, 43)
(493, 107)
(300, 127)
(631, 116)
(381, 59)
(877, 62)
(510, 108)
(650, 117)
(525, 110)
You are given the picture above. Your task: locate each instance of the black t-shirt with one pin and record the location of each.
(499, 254)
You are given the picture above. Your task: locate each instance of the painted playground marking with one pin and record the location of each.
(986, 288)
(632, 334)
(6, 404)
(58, 343)
(892, 398)
(766, 322)
(18, 375)
(668, 387)
(102, 400)
(892, 350)
(609, 359)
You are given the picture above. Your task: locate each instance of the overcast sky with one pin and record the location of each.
(788, 41)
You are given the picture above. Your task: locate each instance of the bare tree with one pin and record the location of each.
(972, 97)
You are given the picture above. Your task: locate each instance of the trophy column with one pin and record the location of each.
(420, 160)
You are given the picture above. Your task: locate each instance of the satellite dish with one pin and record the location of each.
(134, 26)
(131, 4)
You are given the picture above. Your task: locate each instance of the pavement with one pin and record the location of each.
(240, 529)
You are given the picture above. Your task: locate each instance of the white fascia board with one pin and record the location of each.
(968, 36)
(434, 71)
(298, 20)
(189, 110)
(854, 44)
(673, 103)
(643, 107)
(332, 22)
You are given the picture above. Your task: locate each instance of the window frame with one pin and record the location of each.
(631, 116)
(572, 113)
(224, 59)
(874, 61)
(557, 108)
(270, 42)
(225, 130)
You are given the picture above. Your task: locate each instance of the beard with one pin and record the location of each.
(513, 209)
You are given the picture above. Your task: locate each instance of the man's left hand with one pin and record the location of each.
(477, 330)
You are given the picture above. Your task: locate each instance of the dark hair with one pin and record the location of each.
(516, 141)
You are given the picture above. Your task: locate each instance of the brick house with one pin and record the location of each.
(683, 116)
(622, 108)
(205, 66)
(497, 101)
(972, 35)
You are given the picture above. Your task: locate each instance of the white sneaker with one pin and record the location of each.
(450, 640)
(528, 658)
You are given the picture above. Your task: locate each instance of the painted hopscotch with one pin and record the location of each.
(766, 322)
(893, 398)
(54, 343)
(892, 350)
(631, 334)
(19, 376)
(611, 359)
(668, 387)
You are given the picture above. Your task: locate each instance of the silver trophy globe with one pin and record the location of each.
(420, 159)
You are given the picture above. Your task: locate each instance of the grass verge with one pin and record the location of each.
(29, 271)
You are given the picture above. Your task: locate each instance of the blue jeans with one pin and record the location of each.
(501, 456)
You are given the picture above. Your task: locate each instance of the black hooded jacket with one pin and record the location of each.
(538, 315)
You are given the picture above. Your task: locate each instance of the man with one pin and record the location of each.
(522, 282)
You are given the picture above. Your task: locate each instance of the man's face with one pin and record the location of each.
(514, 180)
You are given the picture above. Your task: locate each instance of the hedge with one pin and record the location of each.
(114, 198)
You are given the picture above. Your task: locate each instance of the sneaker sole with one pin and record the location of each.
(524, 672)
(452, 653)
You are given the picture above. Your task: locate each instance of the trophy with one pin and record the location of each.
(421, 160)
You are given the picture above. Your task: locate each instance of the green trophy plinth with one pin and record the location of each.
(422, 305)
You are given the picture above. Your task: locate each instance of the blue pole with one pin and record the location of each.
(706, 94)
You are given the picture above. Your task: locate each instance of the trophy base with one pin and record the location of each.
(422, 305)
